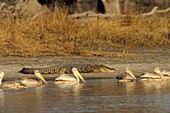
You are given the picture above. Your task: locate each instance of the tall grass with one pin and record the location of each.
(56, 34)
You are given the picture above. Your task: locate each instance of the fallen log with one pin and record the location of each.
(155, 11)
(92, 15)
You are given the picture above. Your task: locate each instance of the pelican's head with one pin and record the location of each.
(76, 73)
(39, 76)
(158, 71)
(130, 73)
(1, 76)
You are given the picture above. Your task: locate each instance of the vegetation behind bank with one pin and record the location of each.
(57, 34)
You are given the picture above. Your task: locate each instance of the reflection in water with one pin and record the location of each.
(148, 95)
(145, 87)
(75, 88)
(23, 100)
(155, 87)
(94, 96)
(1, 98)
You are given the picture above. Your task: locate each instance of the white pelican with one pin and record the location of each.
(156, 75)
(33, 82)
(9, 84)
(128, 76)
(21, 83)
(165, 73)
(70, 78)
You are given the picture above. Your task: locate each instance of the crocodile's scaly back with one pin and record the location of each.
(45, 70)
(82, 68)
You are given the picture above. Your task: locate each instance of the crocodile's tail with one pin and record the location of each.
(27, 70)
(45, 70)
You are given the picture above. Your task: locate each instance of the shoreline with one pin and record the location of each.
(141, 62)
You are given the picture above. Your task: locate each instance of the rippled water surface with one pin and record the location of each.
(94, 96)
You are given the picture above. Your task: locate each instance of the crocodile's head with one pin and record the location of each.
(62, 70)
(102, 68)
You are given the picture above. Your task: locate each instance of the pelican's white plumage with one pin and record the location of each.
(70, 78)
(21, 83)
(149, 76)
(65, 77)
(156, 75)
(33, 82)
(166, 73)
(9, 84)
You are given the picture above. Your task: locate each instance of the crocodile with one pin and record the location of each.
(82, 68)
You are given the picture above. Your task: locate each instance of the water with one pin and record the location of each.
(94, 96)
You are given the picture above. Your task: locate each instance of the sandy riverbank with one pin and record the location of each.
(142, 61)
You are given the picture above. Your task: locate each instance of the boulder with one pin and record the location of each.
(21, 9)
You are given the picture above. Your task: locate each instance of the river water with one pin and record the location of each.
(102, 95)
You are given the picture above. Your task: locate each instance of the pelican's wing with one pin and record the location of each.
(65, 77)
(166, 73)
(29, 82)
(150, 75)
(12, 84)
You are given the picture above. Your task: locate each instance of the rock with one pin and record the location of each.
(28, 8)
(21, 9)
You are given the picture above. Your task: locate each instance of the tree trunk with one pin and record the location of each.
(112, 7)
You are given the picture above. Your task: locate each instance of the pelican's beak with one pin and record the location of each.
(130, 73)
(158, 71)
(38, 74)
(1, 77)
(79, 75)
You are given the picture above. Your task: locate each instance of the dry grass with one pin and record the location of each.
(56, 34)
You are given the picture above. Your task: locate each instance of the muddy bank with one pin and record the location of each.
(142, 61)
